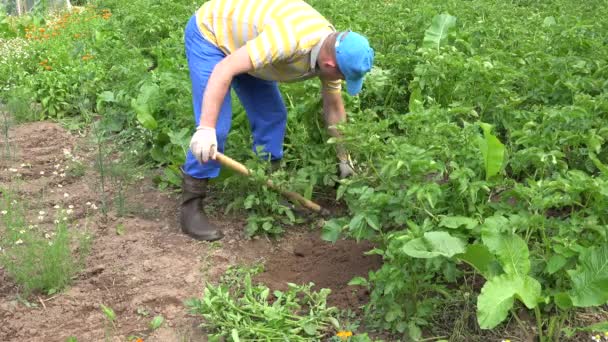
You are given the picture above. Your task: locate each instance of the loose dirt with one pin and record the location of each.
(140, 264)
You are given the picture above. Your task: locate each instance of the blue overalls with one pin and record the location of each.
(261, 99)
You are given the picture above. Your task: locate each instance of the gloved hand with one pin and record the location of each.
(204, 144)
(346, 168)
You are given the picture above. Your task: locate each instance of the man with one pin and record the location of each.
(250, 45)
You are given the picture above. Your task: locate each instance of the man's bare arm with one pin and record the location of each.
(218, 85)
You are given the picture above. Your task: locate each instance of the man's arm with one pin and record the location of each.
(204, 141)
(219, 82)
(334, 113)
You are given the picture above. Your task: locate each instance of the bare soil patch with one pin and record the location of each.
(149, 268)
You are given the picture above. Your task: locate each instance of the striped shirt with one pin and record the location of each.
(282, 37)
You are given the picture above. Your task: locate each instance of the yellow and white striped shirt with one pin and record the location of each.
(283, 37)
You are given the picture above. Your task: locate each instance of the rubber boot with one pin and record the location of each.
(193, 220)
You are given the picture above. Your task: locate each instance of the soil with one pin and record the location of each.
(140, 264)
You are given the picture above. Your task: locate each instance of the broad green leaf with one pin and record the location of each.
(492, 150)
(498, 294)
(334, 322)
(480, 258)
(331, 231)
(590, 278)
(146, 104)
(156, 322)
(434, 244)
(555, 263)
(392, 315)
(143, 115)
(360, 281)
(563, 300)
(437, 33)
(310, 329)
(512, 251)
(457, 221)
(414, 331)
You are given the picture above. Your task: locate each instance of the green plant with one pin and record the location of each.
(156, 322)
(238, 309)
(110, 317)
(39, 261)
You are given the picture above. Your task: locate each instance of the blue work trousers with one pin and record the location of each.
(261, 99)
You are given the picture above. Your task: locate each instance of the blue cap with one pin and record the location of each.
(355, 58)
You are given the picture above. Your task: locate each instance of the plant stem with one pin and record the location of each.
(520, 323)
(539, 323)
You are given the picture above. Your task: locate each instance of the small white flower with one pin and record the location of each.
(47, 236)
(65, 218)
(41, 172)
(41, 212)
(62, 175)
(69, 211)
(56, 206)
(71, 206)
(56, 221)
(18, 242)
(55, 173)
(88, 203)
(93, 206)
(50, 243)
(59, 186)
(22, 231)
(66, 195)
(3, 212)
(57, 166)
(13, 170)
(40, 218)
(23, 165)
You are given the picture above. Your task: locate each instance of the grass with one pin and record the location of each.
(39, 261)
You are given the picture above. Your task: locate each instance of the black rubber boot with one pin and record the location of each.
(193, 220)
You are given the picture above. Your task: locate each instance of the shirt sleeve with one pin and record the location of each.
(276, 42)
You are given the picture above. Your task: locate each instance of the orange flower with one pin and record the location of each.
(41, 29)
(87, 57)
(48, 67)
(344, 335)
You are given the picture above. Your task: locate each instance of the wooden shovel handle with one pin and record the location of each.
(293, 196)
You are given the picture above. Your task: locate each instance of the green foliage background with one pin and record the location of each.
(480, 118)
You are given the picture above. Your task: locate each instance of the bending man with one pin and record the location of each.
(250, 45)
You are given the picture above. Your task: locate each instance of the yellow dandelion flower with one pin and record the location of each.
(344, 335)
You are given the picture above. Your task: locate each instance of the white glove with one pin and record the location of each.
(346, 168)
(204, 144)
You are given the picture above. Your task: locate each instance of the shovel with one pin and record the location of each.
(292, 196)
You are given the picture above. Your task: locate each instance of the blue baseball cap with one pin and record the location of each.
(355, 58)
